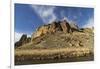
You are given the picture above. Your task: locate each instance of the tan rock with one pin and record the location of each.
(65, 26)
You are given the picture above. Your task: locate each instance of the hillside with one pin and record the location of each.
(58, 40)
(57, 34)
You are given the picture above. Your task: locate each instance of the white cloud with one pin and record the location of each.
(18, 36)
(89, 23)
(46, 13)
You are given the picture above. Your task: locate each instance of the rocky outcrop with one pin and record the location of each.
(53, 27)
(45, 29)
(60, 39)
(23, 40)
(65, 26)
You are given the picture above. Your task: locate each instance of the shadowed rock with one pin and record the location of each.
(23, 40)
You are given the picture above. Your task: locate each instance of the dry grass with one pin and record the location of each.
(59, 53)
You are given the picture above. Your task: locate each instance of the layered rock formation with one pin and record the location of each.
(63, 26)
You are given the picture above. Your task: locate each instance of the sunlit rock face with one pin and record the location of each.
(53, 27)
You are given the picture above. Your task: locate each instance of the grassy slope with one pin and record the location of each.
(56, 46)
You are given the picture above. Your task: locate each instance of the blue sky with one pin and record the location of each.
(28, 17)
